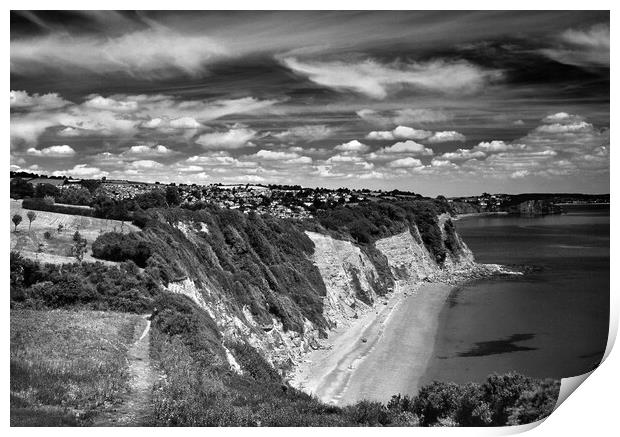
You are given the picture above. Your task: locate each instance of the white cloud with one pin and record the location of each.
(352, 146)
(408, 146)
(446, 136)
(376, 80)
(309, 133)
(562, 117)
(582, 47)
(419, 115)
(400, 132)
(143, 150)
(519, 174)
(405, 163)
(52, 151)
(234, 138)
(21, 100)
(108, 104)
(156, 52)
(281, 156)
(146, 164)
(463, 154)
(497, 146)
(82, 171)
(580, 126)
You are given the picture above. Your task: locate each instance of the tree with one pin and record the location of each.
(17, 219)
(172, 196)
(20, 188)
(43, 190)
(79, 246)
(32, 216)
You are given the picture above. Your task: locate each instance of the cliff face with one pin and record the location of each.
(268, 283)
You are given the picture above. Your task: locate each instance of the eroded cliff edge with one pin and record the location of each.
(280, 286)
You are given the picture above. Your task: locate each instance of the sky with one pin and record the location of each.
(435, 102)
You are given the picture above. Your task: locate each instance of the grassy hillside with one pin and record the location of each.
(69, 362)
(57, 248)
(67, 366)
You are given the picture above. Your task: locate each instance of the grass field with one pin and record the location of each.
(65, 365)
(57, 249)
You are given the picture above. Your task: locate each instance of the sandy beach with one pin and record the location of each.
(383, 353)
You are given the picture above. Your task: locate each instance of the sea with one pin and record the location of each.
(549, 323)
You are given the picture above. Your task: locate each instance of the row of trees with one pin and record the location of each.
(17, 219)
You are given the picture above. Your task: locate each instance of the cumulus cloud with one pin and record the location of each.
(352, 146)
(562, 117)
(308, 133)
(578, 126)
(82, 171)
(400, 132)
(407, 162)
(120, 115)
(234, 138)
(420, 115)
(496, 146)
(376, 80)
(145, 164)
(110, 104)
(287, 157)
(23, 100)
(143, 150)
(408, 146)
(446, 136)
(52, 151)
(463, 154)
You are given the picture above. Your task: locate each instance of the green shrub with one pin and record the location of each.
(114, 246)
(41, 205)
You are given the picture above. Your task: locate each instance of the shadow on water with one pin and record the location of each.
(503, 346)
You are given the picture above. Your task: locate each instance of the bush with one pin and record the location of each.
(113, 246)
(40, 205)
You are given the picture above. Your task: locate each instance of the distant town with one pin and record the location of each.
(283, 201)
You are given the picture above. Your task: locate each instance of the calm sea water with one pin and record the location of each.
(550, 323)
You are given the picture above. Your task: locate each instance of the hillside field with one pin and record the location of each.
(57, 249)
(66, 366)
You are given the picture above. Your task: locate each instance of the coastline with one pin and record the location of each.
(478, 214)
(383, 353)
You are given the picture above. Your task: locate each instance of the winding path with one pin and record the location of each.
(136, 405)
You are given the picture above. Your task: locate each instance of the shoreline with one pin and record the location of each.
(479, 214)
(371, 358)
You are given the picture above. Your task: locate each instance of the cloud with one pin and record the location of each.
(82, 171)
(287, 157)
(582, 47)
(376, 80)
(37, 102)
(234, 138)
(352, 146)
(145, 164)
(155, 52)
(405, 163)
(579, 126)
(562, 117)
(309, 132)
(446, 136)
(52, 151)
(109, 104)
(143, 150)
(496, 146)
(400, 132)
(463, 154)
(413, 116)
(403, 116)
(407, 147)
